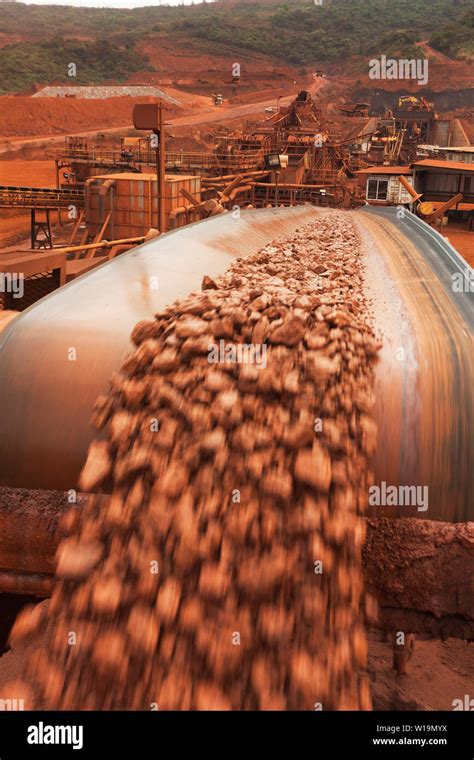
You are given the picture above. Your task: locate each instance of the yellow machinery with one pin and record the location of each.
(412, 103)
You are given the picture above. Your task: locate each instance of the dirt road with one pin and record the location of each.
(223, 113)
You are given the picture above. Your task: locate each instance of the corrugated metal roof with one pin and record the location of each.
(433, 163)
(385, 170)
(448, 148)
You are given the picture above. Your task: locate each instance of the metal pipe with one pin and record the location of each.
(150, 206)
(294, 185)
(161, 169)
(174, 215)
(225, 177)
(236, 181)
(105, 188)
(87, 195)
(101, 232)
(26, 583)
(102, 244)
(409, 188)
(237, 191)
(112, 218)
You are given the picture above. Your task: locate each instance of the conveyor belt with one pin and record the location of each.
(424, 388)
(424, 392)
(40, 197)
(95, 315)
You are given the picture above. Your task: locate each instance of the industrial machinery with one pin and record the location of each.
(425, 209)
(118, 294)
(412, 103)
(77, 338)
(355, 109)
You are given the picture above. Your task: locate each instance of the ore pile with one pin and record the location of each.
(225, 570)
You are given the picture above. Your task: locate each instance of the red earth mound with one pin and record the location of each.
(24, 116)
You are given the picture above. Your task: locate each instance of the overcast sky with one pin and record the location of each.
(111, 3)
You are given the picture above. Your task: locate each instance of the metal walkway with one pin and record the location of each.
(40, 197)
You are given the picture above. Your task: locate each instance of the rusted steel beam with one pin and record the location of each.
(29, 535)
(26, 584)
(412, 565)
(445, 207)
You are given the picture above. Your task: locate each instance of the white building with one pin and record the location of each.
(382, 186)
